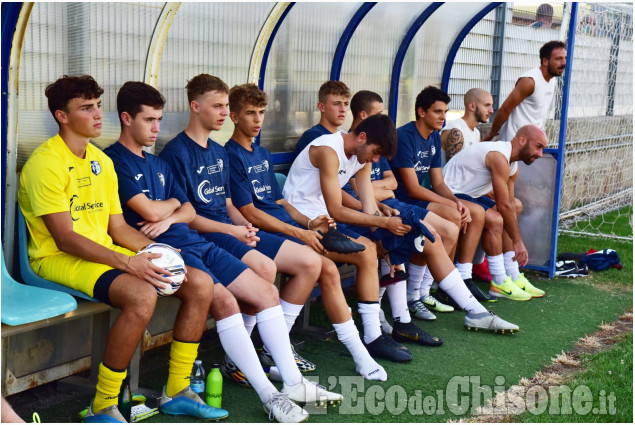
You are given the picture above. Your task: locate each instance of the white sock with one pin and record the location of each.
(426, 283)
(455, 288)
(414, 281)
(479, 256)
(465, 269)
(240, 350)
(291, 312)
(250, 323)
(270, 322)
(364, 364)
(497, 268)
(382, 291)
(511, 266)
(398, 302)
(370, 320)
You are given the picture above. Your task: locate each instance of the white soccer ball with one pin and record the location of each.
(170, 261)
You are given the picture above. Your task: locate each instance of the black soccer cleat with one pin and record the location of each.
(481, 296)
(409, 332)
(336, 241)
(384, 347)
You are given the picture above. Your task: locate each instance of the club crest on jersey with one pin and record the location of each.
(433, 150)
(95, 167)
(161, 179)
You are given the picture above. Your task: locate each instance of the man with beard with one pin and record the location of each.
(529, 102)
(462, 132)
(487, 166)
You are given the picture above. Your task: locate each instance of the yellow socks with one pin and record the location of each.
(108, 386)
(182, 356)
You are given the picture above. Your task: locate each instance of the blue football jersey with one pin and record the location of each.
(413, 151)
(153, 177)
(202, 173)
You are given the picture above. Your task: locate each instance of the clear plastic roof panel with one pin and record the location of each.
(426, 56)
(106, 40)
(372, 49)
(214, 38)
(299, 62)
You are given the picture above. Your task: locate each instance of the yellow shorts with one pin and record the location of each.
(72, 271)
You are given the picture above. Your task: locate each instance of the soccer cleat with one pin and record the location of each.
(335, 241)
(281, 409)
(526, 286)
(306, 391)
(384, 347)
(385, 326)
(303, 364)
(409, 332)
(508, 290)
(567, 268)
(187, 402)
(108, 414)
(432, 303)
(481, 271)
(477, 293)
(230, 371)
(488, 321)
(420, 311)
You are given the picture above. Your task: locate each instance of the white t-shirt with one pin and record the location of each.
(302, 188)
(466, 172)
(532, 110)
(469, 136)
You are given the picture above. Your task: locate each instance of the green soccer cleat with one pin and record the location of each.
(508, 290)
(435, 305)
(526, 286)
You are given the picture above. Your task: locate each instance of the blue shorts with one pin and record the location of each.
(485, 201)
(219, 264)
(404, 207)
(269, 243)
(228, 243)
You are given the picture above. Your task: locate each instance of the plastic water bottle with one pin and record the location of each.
(197, 380)
(125, 398)
(214, 392)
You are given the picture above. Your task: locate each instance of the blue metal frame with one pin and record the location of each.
(10, 15)
(340, 51)
(401, 54)
(562, 139)
(265, 58)
(449, 62)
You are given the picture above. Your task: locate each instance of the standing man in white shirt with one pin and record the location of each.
(529, 102)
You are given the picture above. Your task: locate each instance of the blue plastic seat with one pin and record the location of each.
(25, 304)
(281, 178)
(28, 275)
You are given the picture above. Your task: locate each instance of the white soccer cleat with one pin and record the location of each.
(281, 409)
(488, 321)
(306, 391)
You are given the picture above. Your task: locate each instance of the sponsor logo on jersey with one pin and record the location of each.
(419, 167)
(260, 168)
(260, 188)
(95, 167)
(161, 179)
(77, 207)
(422, 154)
(206, 191)
(138, 176)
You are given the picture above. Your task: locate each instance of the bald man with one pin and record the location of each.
(462, 132)
(487, 166)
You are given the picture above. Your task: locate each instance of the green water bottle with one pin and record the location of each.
(125, 398)
(214, 387)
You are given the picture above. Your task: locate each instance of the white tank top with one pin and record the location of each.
(469, 136)
(302, 188)
(532, 110)
(466, 172)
